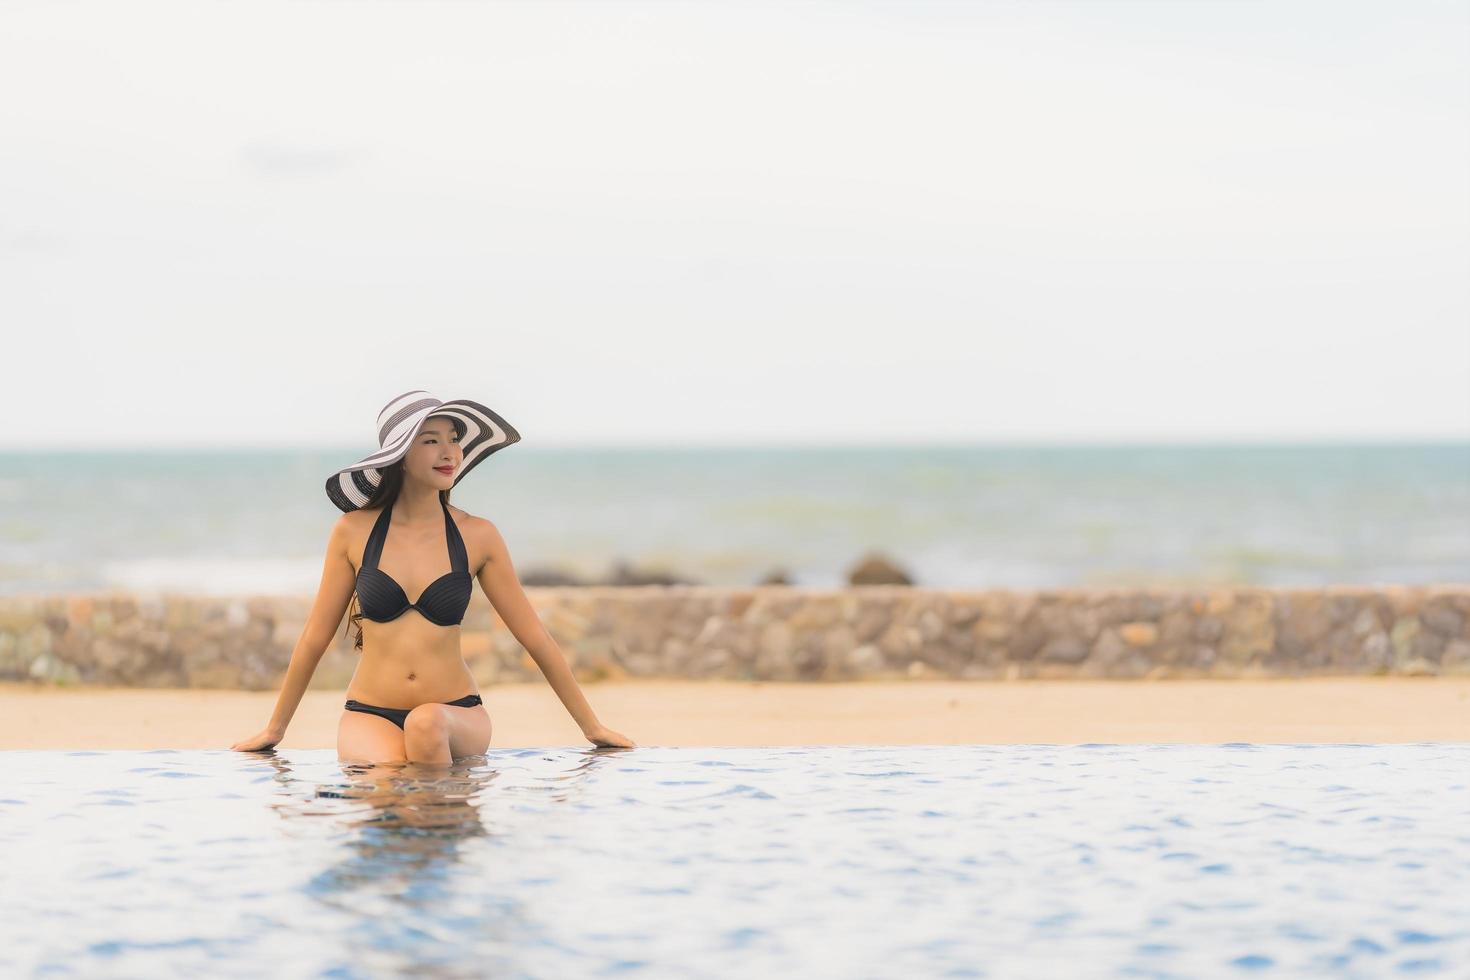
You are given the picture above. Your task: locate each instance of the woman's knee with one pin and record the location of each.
(426, 721)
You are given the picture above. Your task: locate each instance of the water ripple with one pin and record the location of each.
(1030, 860)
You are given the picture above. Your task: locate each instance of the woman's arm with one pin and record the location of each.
(332, 597)
(497, 577)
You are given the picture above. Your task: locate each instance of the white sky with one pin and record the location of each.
(255, 223)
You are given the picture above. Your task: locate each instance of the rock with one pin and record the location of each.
(993, 630)
(1456, 658)
(624, 574)
(898, 642)
(674, 656)
(601, 668)
(931, 626)
(53, 670)
(864, 659)
(1443, 619)
(779, 633)
(814, 614)
(1402, 637)
(1366, 622)
(714, 627)
(713, 662)
(774, 648)
(35, 641)
(836, 644)
(1109, 648)
(877, 569)
(1377, 651)
(810, 660)
(637, 664)
(1250, 632)
(1208, 629)
(12, 664)
(1066, 650)
(1139, 634)
(548, 577)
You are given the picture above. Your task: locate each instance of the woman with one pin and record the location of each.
(406, 701)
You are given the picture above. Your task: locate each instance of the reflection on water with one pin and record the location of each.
(402, 830)
(1076, 861)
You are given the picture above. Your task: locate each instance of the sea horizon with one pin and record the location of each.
(246, 520)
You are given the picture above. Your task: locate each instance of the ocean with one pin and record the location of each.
(256, 521)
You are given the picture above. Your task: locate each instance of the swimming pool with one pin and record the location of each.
(993, 860)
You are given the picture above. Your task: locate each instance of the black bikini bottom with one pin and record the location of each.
(396, 715)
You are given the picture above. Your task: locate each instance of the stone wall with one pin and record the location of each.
(780, 633)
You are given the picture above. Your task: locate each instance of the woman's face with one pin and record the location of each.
(435, 456)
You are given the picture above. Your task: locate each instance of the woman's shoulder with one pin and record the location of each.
(468, 521)
(353, 527)
(358, 523)
(354, 519)
(479, 532)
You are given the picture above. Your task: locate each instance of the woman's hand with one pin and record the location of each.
(264, 739)
(606, 737)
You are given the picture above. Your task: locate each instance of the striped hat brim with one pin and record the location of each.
(484, 432)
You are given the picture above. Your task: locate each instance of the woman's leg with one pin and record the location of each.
(444, 732)
(362, 737)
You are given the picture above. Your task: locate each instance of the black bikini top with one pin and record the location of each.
(445, 599)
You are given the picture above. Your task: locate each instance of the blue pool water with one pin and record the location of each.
(848, 861)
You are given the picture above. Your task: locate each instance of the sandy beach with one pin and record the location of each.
(694, 713)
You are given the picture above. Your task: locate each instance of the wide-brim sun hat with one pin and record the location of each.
(482, 432)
